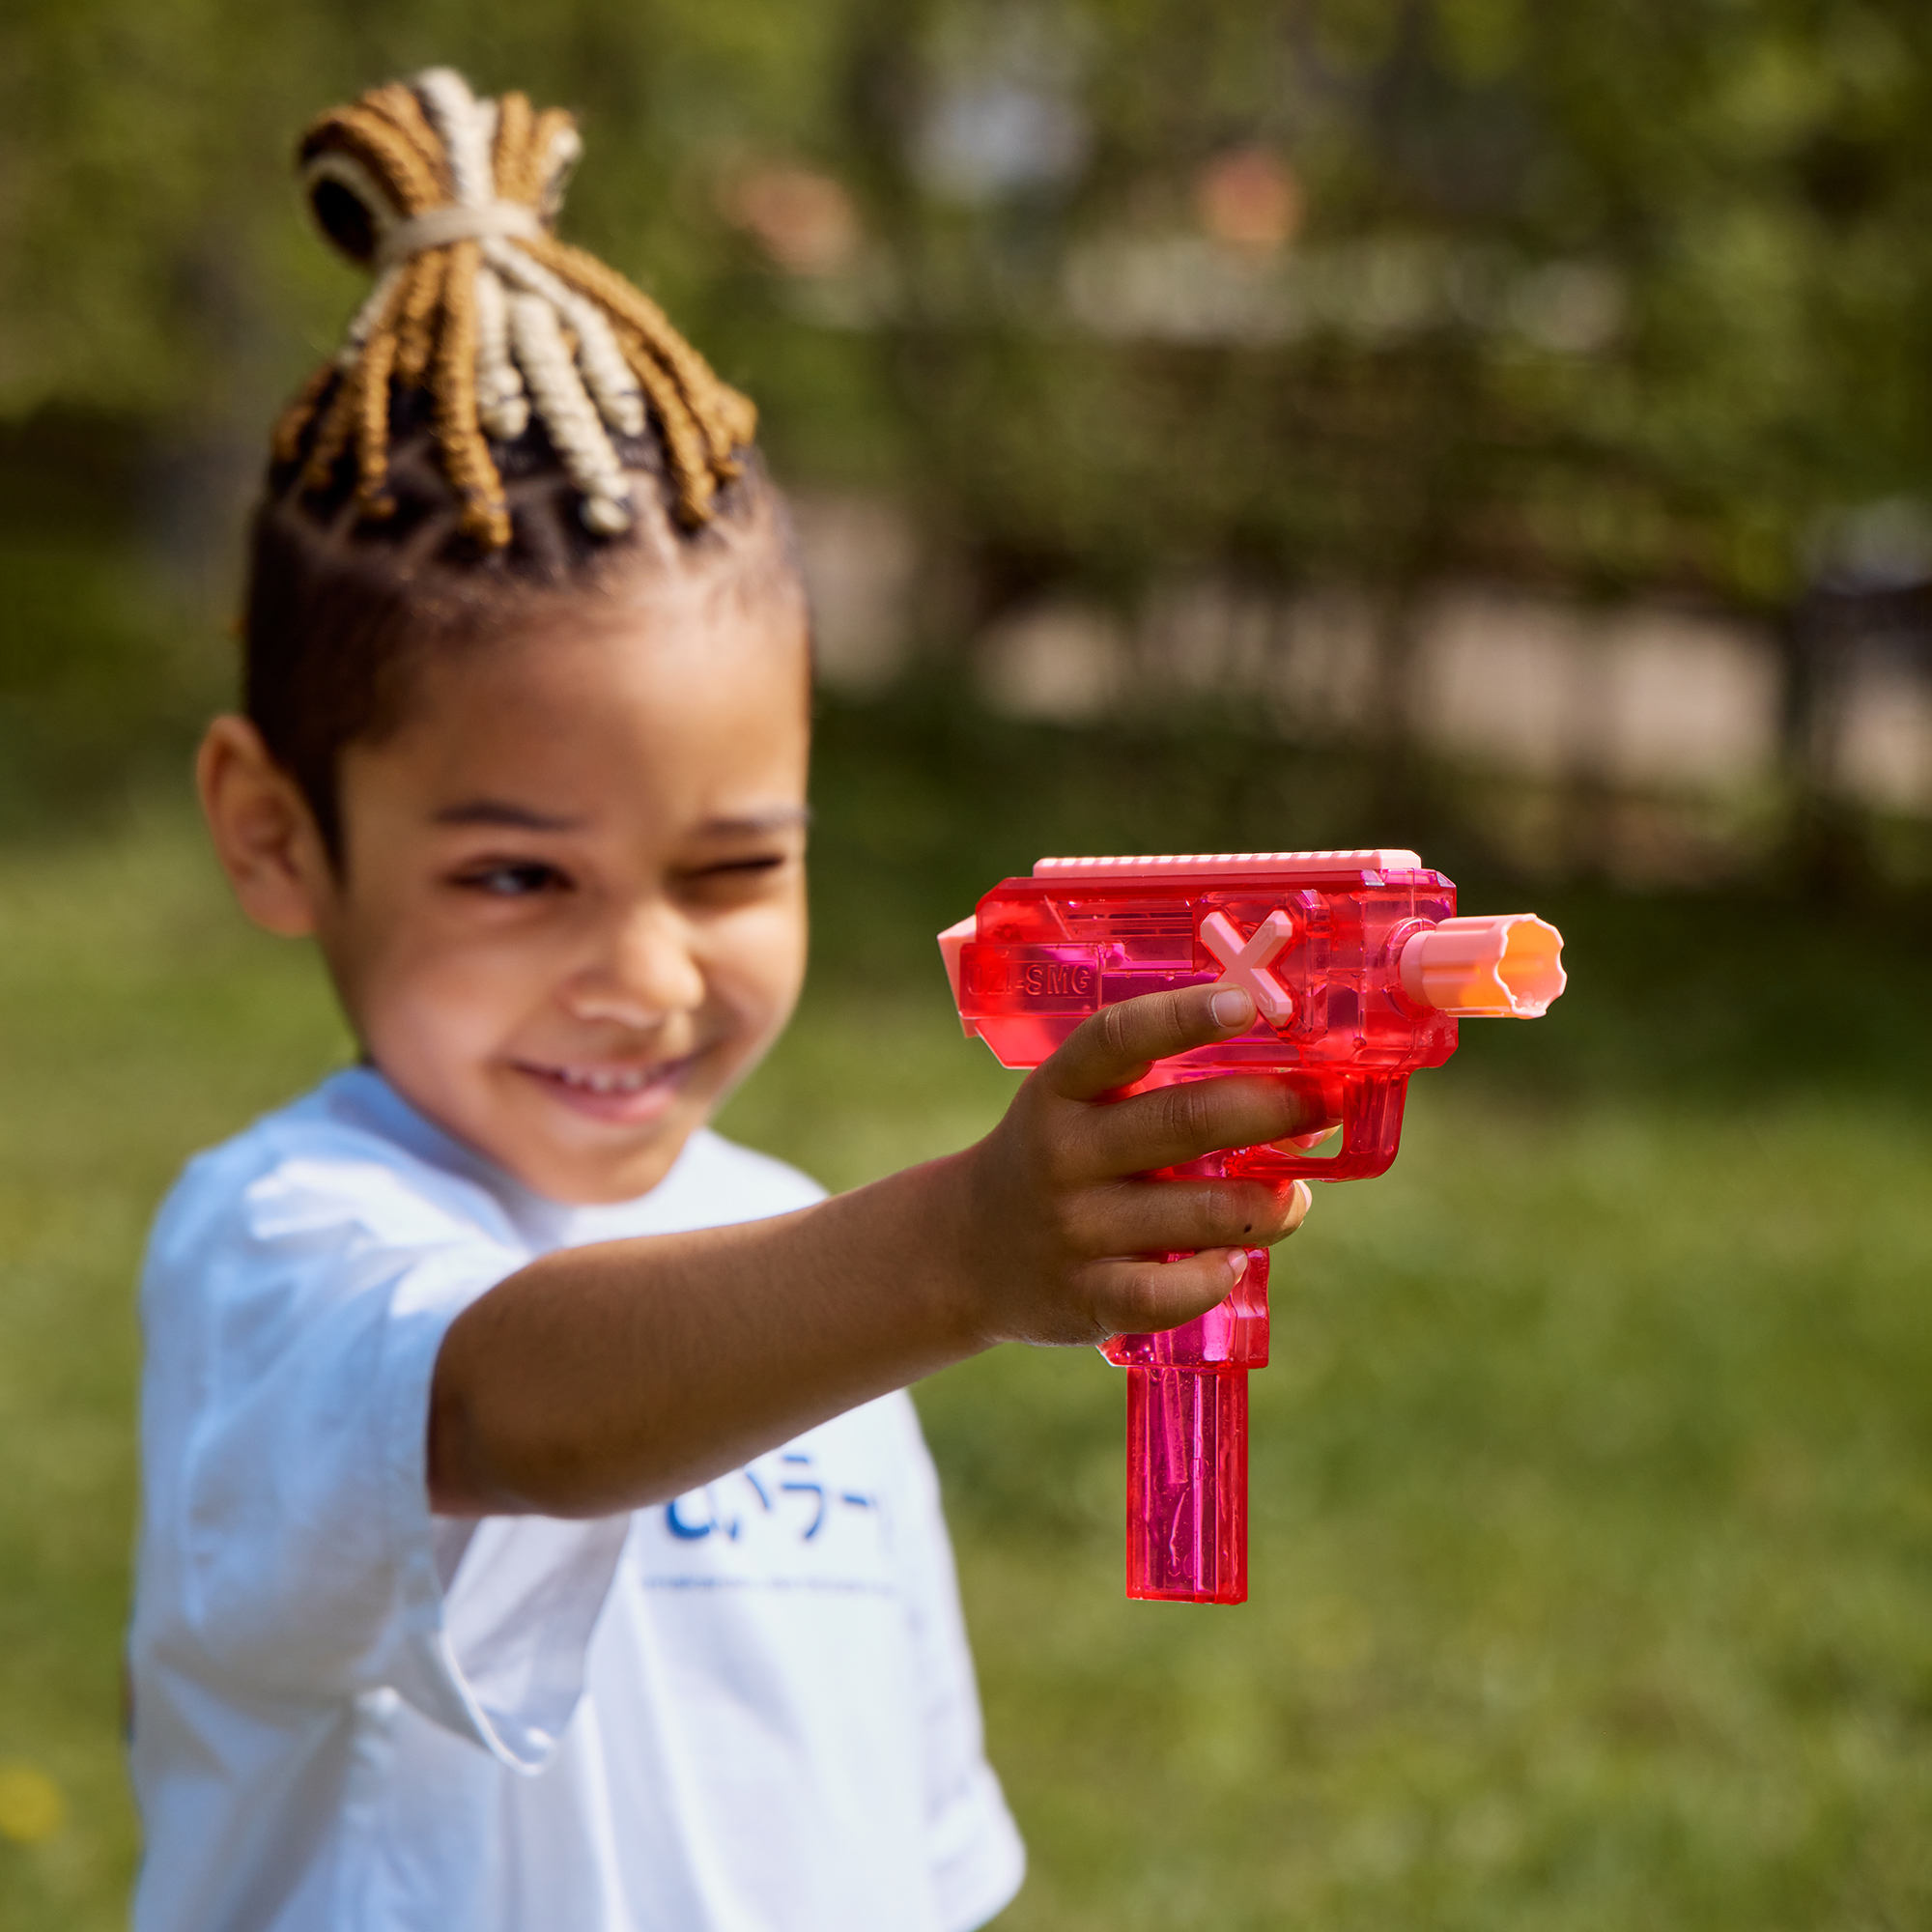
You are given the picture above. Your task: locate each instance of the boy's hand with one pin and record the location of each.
(622, 1373)
(1065, 1223)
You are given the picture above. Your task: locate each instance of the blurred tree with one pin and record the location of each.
(1636, 263)
(1621, 293)
(1624, 295)
(1676, 246)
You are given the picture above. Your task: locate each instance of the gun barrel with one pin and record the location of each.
(1503, 965)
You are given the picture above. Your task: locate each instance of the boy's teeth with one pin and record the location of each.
(604, 1080)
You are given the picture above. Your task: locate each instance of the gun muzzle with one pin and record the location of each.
(1504, 966)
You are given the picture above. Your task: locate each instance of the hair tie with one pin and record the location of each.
(441, 227)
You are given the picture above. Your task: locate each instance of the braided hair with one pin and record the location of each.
(507, 418)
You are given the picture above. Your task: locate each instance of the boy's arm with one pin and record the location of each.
(609, 1377)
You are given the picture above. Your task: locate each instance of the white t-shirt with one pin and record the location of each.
(750, 1711)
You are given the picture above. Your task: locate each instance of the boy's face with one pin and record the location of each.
(572, 910)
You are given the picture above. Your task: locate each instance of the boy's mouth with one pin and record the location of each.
(609, 1090)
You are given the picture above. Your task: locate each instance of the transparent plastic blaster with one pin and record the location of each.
(1359, 970)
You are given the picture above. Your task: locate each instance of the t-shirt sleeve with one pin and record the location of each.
(307, 1324)
(976, 1856)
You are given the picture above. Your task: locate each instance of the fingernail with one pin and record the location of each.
(1237, 1263)
(1307, 1193)
(1232, 1007)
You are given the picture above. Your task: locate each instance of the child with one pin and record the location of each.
(536, 1534)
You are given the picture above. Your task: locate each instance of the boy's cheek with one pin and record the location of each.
(473, 968)
(759, 961)
(441, 1026)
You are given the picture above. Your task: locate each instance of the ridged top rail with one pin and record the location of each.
(1298, 865)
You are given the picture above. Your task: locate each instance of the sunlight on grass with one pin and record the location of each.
(1592, 1480)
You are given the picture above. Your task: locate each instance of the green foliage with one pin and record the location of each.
(152, 223)
(100, 678)
(1669, 257)
(88, 686)
(140, 1022)
(1741, 189)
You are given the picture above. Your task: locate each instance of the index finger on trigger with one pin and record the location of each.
(1171, 1126)
(1118, 1045)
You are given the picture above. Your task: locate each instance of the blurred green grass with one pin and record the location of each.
(1592, 1480)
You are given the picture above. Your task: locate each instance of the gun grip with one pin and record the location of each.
(1187, 1447)
(1188, 1485)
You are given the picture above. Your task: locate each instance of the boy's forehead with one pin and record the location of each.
(644, 704)
(736, 605)
(662, 649)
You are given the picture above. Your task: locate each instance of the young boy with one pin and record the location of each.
(536, 1534)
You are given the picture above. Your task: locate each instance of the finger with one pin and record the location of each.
(1118, 1045)
(1306, 1142)
(1177, 1123)
(1169, 1216)
(1141, 1297)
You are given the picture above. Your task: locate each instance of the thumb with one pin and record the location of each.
(1116, 1045)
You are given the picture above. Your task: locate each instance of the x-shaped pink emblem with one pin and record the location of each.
(1245, 958)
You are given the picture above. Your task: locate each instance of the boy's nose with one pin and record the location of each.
(646, 974)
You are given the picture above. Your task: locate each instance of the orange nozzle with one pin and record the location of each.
(1506, 965)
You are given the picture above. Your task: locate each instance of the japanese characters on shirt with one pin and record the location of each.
(801, 1517)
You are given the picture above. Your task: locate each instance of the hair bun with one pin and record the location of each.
(450, 202)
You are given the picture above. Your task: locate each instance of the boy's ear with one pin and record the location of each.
(264, 833)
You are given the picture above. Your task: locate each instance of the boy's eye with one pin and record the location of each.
(733, 875)
(765, 861)
(513, 879)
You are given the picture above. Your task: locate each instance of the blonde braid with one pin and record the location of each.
(331, 436)
(372, 424)
(511, 160)
(684, 440)
(605, 287)
(384, 150)
(399, 105)
(465, 454)
(285, 445)
(501, 403)
(415, 326)
(452, 198)
(467, 127)
(595, 348)
(738, 415)
(340, 419)
(554, 146)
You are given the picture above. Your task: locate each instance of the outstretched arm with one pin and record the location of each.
(607, 1377)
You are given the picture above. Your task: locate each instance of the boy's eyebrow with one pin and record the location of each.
(526, 818)
(778, 819)
(504, 811)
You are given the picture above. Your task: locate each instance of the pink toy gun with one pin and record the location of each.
(1359, 970)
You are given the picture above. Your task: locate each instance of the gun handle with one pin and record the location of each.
(1188, 1446)
(1188, 1485)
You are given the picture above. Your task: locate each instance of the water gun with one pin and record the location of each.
(1359, 970)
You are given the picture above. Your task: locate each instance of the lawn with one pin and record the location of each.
(1593, 1477)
